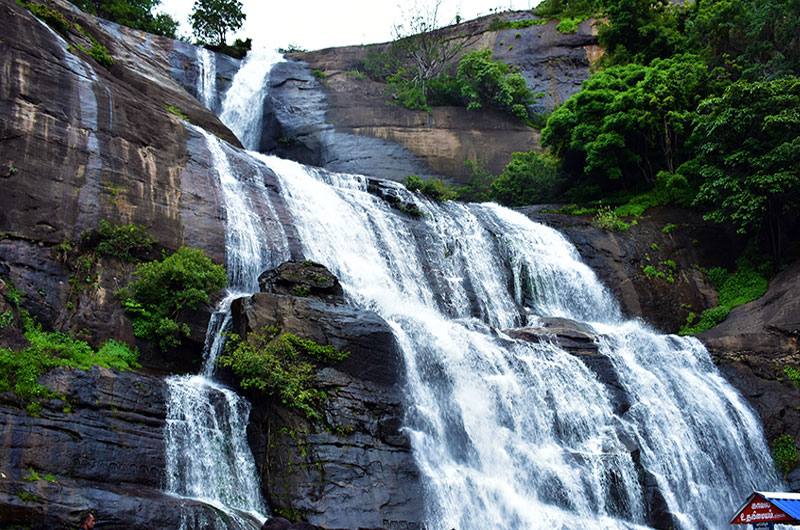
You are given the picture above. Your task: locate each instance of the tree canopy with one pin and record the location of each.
(748, 155)
(137, 14)
(212, 19)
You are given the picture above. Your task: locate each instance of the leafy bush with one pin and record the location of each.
(122, 241)
(529, 178)
(569, 24)
(793, 374)
(746, 284)
(99, 53)
(486, 82)
(319, 74)
(607, 219)
(50, 16)
(784, 452)
(479, 185)
(163, 288)
(282, 365)
(432, 188)
(20, 369)
(498, 24)
(137, 14)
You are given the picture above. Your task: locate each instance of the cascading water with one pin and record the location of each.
(208, 457)
(523, 435)
(206, 89)
(242, 108)
(506, 433)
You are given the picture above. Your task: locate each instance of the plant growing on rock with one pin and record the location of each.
(784, 452)
(162, 289)
(282, 365)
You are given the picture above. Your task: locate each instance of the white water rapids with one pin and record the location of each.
(507, 434)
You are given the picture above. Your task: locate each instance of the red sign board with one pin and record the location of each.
(761, 510)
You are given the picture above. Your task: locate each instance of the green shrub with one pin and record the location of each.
(746, 284)
(356, 74)
(163, 288)
(784, 452)
(319, 74)
(50, 16)
(122, 241)
(479, 186)
(20, 369)
(607, 219)
(530, 178)
(569, 25)
(793, 374)
(651, 272)
(669, 227)
(282, 365)
(498, 24)
(99, 53)
(177, 112)
(434, 189)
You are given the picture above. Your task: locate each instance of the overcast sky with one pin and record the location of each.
(317, 24)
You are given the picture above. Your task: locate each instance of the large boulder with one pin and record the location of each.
(353, 469)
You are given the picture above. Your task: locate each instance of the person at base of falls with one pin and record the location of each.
(87, 520)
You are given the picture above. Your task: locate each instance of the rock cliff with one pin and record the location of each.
(343, 122)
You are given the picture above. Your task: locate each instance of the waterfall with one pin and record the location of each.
(206, 89)
(242, 108)
(208, 456)
(518, 435)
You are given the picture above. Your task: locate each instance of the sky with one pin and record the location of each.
(317, 24)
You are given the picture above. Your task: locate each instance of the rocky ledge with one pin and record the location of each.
(353, 469)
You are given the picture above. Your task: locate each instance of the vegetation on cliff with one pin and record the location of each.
(282, 365)
(137, 14)
(163, 289)
(21, 367)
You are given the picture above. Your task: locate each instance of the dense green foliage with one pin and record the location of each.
(163, 288)
(124, 242)
(282, 365)
(747, 283)
(432, 188)
(784, 452)
(20, 369)
(692, 104)
(137, 14)
(630, 121)
(212, 19)
(477, 82)
(482, 81)
(747, 145)
(529, 178)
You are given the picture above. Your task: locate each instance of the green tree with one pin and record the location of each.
(529, 178)
(212, 19)
(137, 14)
(484, 81)
(639, 31)
(630, 121)
(748, 157)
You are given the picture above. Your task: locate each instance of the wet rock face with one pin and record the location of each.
(100, 447)
(754, 345)
(303, 278)
(622, 260)
(354, 469)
